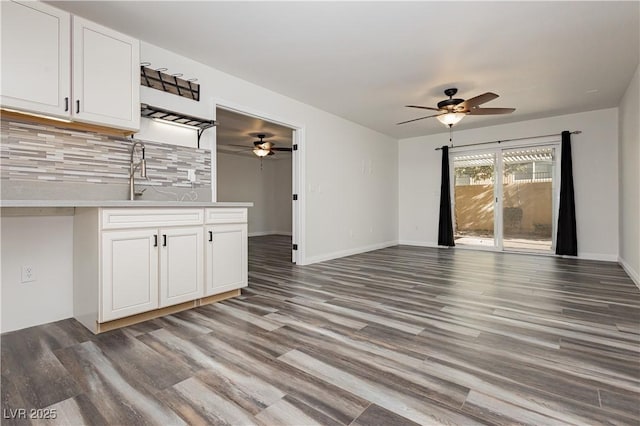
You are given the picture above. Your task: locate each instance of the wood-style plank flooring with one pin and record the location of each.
(397, 336)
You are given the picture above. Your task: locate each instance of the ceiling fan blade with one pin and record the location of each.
(416, 119)
(281, 149)
(422, 107)
(490, 111)
(476, 100)
(221, 149)
(238, 146)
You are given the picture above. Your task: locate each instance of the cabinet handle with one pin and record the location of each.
(155, 241)
(66, 104)
(164, 240)
(210, 236)
(78, 106)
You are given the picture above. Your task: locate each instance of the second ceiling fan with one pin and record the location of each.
(452, 110)
(263, 148)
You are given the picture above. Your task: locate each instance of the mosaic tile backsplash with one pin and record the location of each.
(39, 153)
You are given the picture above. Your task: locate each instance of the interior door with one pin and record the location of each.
(295, 206)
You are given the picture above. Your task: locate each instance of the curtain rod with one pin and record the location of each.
(575, 132)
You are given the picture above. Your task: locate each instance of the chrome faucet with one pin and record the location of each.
(132, 170)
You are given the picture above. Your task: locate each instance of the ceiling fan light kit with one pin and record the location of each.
(451, 118)
(263, 148)
(261, 152)
(452, 110)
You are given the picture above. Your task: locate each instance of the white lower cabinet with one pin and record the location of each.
(226, 257)
(129, 273)
(181, 265)
(130, 261)
(139, 265)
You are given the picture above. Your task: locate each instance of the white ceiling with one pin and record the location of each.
(235, 131)
(365, 60)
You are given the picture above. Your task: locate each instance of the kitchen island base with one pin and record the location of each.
(157, 313)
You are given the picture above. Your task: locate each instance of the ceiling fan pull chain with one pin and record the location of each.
(451, 134)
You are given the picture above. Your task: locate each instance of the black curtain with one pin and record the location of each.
(566, 240)
(445, 226)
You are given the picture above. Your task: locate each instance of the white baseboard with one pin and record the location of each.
(263, 233)
(349, 252)
(418, 243)
(586, 256)
(634, 275)
(597, 256)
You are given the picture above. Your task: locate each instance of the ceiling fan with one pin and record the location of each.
(263, 148)
(452, 110)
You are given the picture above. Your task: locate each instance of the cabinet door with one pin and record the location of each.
(106, 76)
(181, 265)
(129, 273)
(36, 58)
(226, 258)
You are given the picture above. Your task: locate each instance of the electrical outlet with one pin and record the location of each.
(28, 274)
(191, 175)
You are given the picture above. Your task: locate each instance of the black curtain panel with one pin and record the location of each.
(445, 226)
(566, 240)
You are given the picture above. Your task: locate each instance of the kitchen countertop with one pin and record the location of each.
(118, 203)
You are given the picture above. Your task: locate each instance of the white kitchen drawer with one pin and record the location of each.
(148, 217)
(225, 215)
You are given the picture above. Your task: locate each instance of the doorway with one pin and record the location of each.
(270, 182)
(506, 198)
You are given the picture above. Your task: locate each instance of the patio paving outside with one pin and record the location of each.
(520, 243)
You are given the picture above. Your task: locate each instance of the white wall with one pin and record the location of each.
(282, 192)
(595, 170)
(630, 179)
(241, 178)
(351, 172)
(349, 200)
(46, 244)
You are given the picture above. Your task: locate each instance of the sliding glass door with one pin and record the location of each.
(527, 199)
(505, 199)
(474, 190)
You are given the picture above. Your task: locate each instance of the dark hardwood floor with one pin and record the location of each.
(402, 335)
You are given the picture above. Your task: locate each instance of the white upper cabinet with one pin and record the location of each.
(36, 58)
(106, 76)
(90, 74)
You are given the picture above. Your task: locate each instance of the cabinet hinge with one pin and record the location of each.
(295, 247)
(295, 197)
